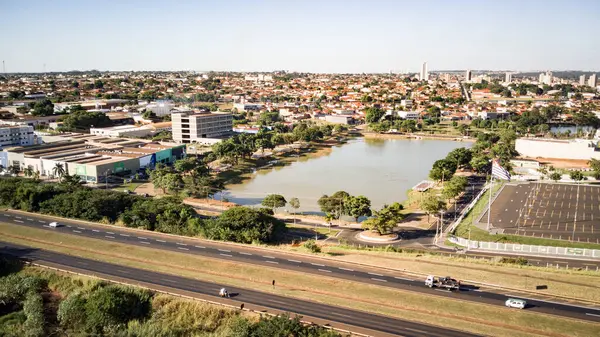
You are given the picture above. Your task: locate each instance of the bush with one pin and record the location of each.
(244, 225)
(33, 308)
(71, 312)
(14, 288)
(518, 261)
(312, 246)
(110, 307)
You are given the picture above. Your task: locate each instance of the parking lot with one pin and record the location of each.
(557, 211)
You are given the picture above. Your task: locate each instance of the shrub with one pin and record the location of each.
(312, 246)
(33, 308)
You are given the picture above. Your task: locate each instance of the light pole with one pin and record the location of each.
(576, 208)
(106, 178)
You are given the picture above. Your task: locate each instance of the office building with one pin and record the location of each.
(592, 81)
(189, 128)
(17, 135)
(468, 76)
(545, 78)
(508, 78)
(424, 76)
(582, 80)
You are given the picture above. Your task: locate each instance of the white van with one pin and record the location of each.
(53, 224)
(515, 303)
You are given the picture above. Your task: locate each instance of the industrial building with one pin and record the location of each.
(581, 149)
(190, 128)
(91, 157)
(131, 131)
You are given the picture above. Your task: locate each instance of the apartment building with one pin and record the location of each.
(16, 135)
(191, 127)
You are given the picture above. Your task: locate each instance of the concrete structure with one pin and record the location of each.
(508, 78)
(339, 119)
(161, 108)
(414, 115)
(581, 149)
(131, 130)
(545, 78)
(189, 128)
(92, 158)
(592, 81)
(248, 106)
(424, 76)
(582, 80)
(468, 76)
(17, 135)
(494, 114)
(407, 103)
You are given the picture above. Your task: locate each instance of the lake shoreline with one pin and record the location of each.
(415, 136)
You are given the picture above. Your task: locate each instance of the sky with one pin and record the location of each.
(324, 36)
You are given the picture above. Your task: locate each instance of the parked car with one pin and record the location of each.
(516, 303)
(54, 224)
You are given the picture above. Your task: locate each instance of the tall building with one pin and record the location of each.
(468, 76)
(546, 78)
(447, 78)
(592, 81)
(424, 74)
(508, 78)
(16, 135)
(582, 79)
(190, 127)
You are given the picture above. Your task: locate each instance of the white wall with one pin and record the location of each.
(575, 149)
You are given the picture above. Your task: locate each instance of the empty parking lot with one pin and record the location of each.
(557, 211)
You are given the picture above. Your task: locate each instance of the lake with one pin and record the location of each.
(383, 170)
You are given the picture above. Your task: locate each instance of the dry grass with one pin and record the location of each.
(479, 318)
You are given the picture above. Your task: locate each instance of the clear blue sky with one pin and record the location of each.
(299, 35)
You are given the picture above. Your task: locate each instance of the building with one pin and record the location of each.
(582, 80)
(131, 131)
(161, 108)
(17, 135)
(247, 106)
(339, 119)
(494, 114)
(508, 78)
(581, 149)
(592, 81)
(545, 78)
(407, 103)
(414, 115)
(189, 128)
(468, 76)
(424, 76)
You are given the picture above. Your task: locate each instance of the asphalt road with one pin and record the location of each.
(316, 266)
(356, 318)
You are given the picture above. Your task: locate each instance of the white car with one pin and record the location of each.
(53, 224)
(515, 303)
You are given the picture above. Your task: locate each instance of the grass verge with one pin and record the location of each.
(451, 313)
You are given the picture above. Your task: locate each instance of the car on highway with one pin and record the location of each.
(54, 224)
(515, 303)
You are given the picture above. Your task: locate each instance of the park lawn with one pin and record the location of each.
(478, 234)
(129, 186)
(436, 310)
(311, 229)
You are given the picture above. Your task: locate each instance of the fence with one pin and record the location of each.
(527, 249)
(468, 208)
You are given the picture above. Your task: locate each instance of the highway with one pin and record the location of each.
(333, 314)
(267, 258)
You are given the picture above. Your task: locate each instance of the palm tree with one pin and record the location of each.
(36, 175)
(28, 171)
(58, 170)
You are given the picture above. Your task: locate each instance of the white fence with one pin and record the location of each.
(527, 249)
(466, 210)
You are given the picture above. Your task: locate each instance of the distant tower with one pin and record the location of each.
(468, 76)
(508, 78)
(592, 81)
(582, 80)
(3, 68)
(424, 73)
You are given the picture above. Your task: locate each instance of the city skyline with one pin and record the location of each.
(329, 37)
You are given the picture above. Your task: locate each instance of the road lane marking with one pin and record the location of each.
(324, 270)
(111, 233)
(402, 278)
(378, 279)
(244, 253)
(95, 230)
(7, 215)
(160, 240)
(81, 228)
(142, 238)
(167, 280)
(19, 221)
(224, 250)
(41, 221)
(18, 217)
(146, 242)
(76, 231)
(200, 247)
(319, 265)
(124, 234)
(268, 257)
(181, 244)
(228, 255)
(587, 313)
(83, 263)
(345, 269)
(108, 236)
(274, 301)
(416, 330)
(374, 274)
(183, 248)
(69, 226)
(269, 261)
(29, 219)
(122, 271)
(338, 314)
(295, 261)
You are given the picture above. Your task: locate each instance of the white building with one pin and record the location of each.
(545, 78)
(17, 135)
(468, 76)
(407, 103)
(131, 131)
(189, 128)
(424, 76)
(408, 115)
(582, 80)
(161, 108)
(248, 106)
(581, 149)
(592, 81)
(339, 119)
(508, 78)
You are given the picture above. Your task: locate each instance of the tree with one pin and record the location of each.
(274, 201)
(357, 206)
(443, 169)
(480, 163)
(432, 205)
(576, 175)
(461, 156)
(111, 306)
(28, 171)
(80, 119)
(244, 225)
(333, 204)
(594, 164)
(373, 115)
(385, 219)
(149, 114)
(555, 176)
(295, 204)
(58, 170)
(71, 312)
(43, 108)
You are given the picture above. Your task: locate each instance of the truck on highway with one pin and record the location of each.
(442, 282)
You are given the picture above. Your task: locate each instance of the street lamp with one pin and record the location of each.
(106, 177)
